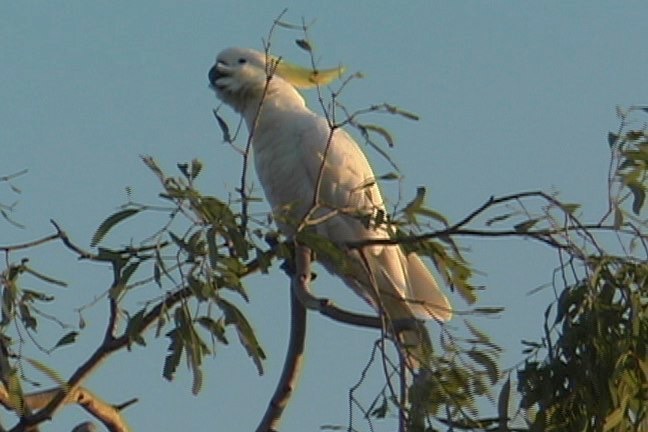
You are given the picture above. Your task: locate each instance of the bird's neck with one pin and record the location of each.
(279, 100)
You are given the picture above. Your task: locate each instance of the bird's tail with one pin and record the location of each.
(406, 292)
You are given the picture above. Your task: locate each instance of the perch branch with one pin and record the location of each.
(299, 293)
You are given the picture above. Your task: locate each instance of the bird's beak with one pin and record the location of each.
(215, 73)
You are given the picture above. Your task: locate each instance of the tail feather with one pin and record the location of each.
(408, 290)
(406, 286)
(401, 287)
(428, 300)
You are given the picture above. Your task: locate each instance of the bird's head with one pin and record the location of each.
(240, 75)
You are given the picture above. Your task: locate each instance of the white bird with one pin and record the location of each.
(293, 147)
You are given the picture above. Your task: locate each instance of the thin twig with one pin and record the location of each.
(14, 175)
(31, 244)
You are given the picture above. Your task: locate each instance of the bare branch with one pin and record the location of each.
(108, 414)
(66, 240)
(31, 244)
(545, 235)
(271, 66)
(12, 176)
(292, 364)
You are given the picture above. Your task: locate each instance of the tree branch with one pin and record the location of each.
(30, 244)
(299, 294)
(106, 413)
(292, 367)
(458, 229)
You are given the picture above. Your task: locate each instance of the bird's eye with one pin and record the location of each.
(242, 61)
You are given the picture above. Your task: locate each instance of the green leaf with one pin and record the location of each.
(15, 391)
(395, 110)
(128, 271)
(414, 205)
(119, 287)
(8, 300)
(639, 196)
(304, 44)
(26, 317)
(66, 340)
(490, 366)
(45, 278)
(531, 344)
(196, 168)
(157, 275)
(215, 327)
(184, 169)
(481, 337)
(612, 139)
(503, 405)
(570, 208)
(172, 360)
(613, 419)
(380, 131)
(231, 269)
(135, 327)
(245, 332)
(30, 296)
(109, 223)
(264, 260)
(199, 288)
(526, 225)
(288, 25)
(197, 382)
(180, 243)
(488, 310)
(109, 255)
(227, 137)
(50, 372)
(239, 242)
(153, 166)
(217, 212)
(196, 244)
(212, 248)
(432, 214)
(499, 218)
(390, 176)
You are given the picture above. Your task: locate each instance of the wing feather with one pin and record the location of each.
(348, 186)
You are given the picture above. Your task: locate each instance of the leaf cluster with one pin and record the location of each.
(595, 374)
(205, 256)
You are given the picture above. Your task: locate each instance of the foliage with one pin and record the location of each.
(594, 376)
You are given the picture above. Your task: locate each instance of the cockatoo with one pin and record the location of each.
(316, 176)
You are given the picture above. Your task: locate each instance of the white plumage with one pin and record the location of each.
(289, 143)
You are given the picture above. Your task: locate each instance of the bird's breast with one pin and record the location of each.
(286, 181)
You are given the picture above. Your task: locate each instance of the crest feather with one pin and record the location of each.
(304, 78)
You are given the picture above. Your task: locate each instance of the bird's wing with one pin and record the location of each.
(348, 187)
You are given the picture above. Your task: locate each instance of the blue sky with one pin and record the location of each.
(512, 96)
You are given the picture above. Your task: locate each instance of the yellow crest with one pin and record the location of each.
(303, 78)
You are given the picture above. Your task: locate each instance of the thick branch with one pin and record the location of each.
(295, 354)
(104, 412)
(291, 370)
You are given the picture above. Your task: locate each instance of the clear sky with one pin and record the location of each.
(512, 96)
